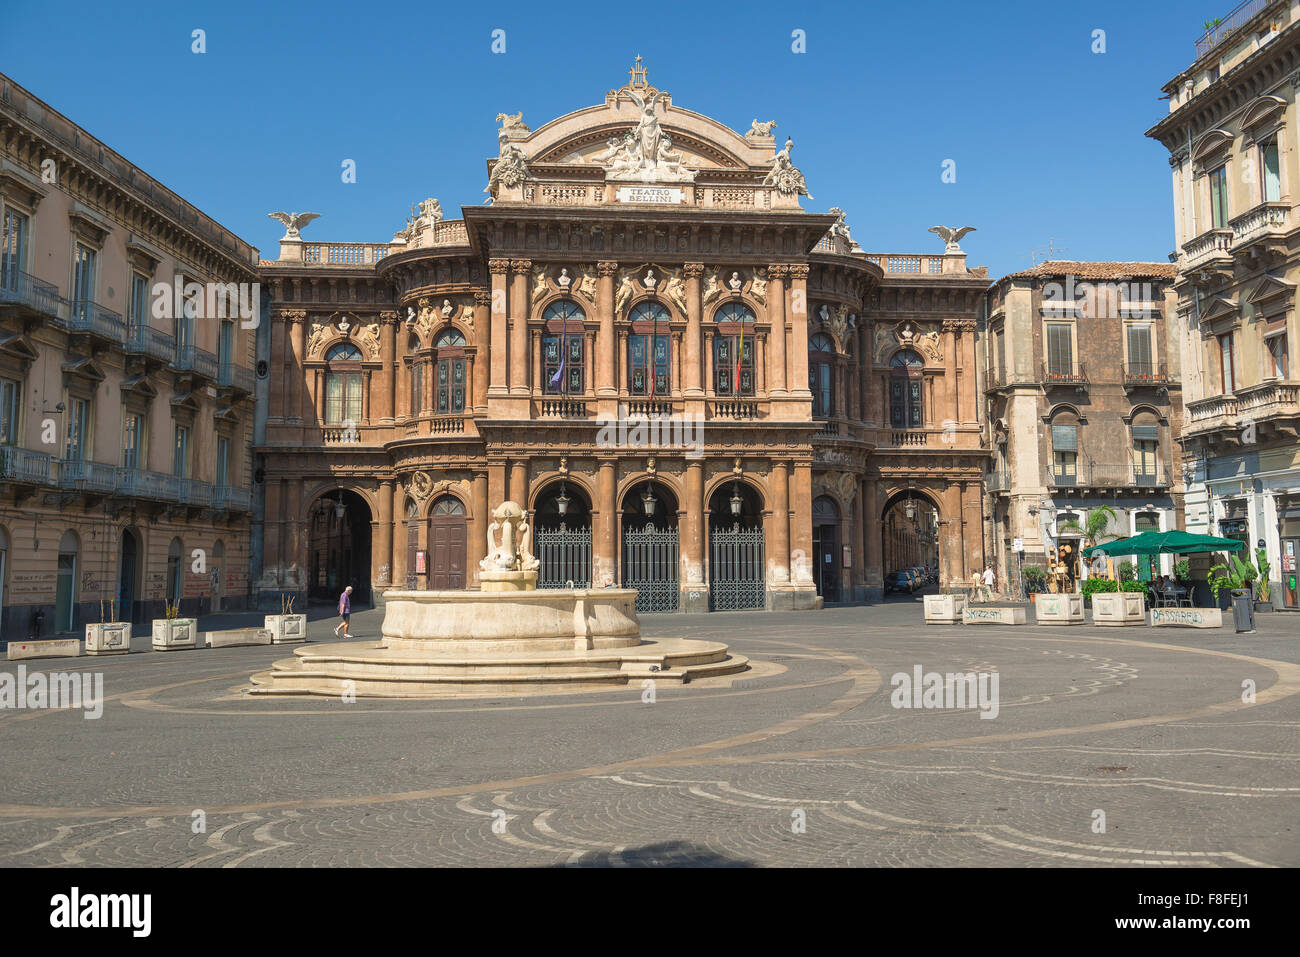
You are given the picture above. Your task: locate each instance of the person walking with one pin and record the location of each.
(990, 581)
(345, 612)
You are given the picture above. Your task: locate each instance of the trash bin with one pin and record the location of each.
(1243, 611)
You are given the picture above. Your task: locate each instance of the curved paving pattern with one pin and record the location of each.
(803, 761)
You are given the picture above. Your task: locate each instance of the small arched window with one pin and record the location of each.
(343, 385)
(563, 349)
(733, 350)
(821, 375)
(648, 364)
(906, 409)
(447, 505)
(1145, 429)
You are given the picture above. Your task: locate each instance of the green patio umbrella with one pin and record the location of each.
(1166, 543)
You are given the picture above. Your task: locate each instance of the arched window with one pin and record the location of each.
(648, 365)
(821, 375)
(733, 350)
(1065, 448)
(343, 385)
(1145, 429)
(450, 382)
(905, 378)
(563, 348)
(447, 505)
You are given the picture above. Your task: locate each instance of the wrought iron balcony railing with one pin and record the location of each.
(82, 476)
(141, 483)
(25, 466)
(19, 288)
(1060, 374)
(147, 341)
(85, 315)
(236, 377)
(231, 499)
(1225, 27)
(194, 359)
(1145, 373)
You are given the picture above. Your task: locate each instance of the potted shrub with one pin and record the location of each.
(1234, 576)
(174, 632)
(286, 626)
(108, 637)
(1263, 600)
(1090, 586)
(1034, 578)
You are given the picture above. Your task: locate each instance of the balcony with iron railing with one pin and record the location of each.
(227, 498)
(195, 360)
(1225, 27)
(85, 315)
(137, 483)
(1138, 373)
(998, 481)
(25, 467)
(17, 288)
(237, 378)
(1063, 374)
(1092, 476)
(195, 493)
(78, 475)
(144, 340)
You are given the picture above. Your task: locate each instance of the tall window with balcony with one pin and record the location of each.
(181, 452)
(733, 351)
(1227, 364)
(83, 280)
(343, 385)
(1060, 349)
(418, 374)
(133, 433)
(1278, 357)
(1271, 181)
(1140, 364)
(76, 449)
(449, 348)
(223, 461)
(906, 396)
(226, 351)
(1145, 430)
(11, 392)
(13, 249)
(648, 372)
(1217, 185)
(563, 349)
(137, 315)
(821, 375)
(1065, 453)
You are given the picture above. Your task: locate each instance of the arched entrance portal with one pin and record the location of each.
(339, 547)
(562, 536)
(910, 526)
(648, 523)
(826, 547)
(447, 531)
(737, 559)
(128, 575)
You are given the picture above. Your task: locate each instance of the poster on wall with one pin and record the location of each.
(419, 562)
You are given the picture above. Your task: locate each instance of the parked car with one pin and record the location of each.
(898, 581)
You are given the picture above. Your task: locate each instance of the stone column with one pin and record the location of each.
(779, 563)
(967, 404)
(519, 483)
(859, 541)
(693, 364)
(519, 269)
(801, 524)
(497, 330)
(537, 362)
(874, 571)
(945, 406)
(604, 560)
(483, 340)
(298, 334)
(776, 316)
(382, 561)
(604, 358)
(386, 384)
(478, 504)
(498, 491)
(798, 360)
(695, 592)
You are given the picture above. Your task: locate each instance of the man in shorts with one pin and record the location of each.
(345, 612)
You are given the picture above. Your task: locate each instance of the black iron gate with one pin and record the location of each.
(737, 569)
(650, 566)
(565, 556)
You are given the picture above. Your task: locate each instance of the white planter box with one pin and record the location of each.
(1179, 617)
(173, 634)
(1014, 615)
(944, 609)
(108, 638)
(1064, 609)
(286, 628)
(1119, 608)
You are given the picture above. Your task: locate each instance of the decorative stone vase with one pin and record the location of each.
(286, 629)
(173, 634)
(108, 638)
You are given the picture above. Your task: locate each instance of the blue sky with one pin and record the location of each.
(1047, 135)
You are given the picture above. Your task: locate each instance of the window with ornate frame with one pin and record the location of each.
(648, 363)
(343, 384)
(563, 349)
(11, 401)
(906, 390)
(733, 350)
(450, 364)
(821, 375)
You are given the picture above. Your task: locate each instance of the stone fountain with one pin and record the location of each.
(510, 637)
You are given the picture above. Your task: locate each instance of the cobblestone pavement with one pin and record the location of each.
(1143, 729)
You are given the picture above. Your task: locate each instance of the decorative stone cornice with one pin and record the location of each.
(777, 271)
(798, 270)
(482, 297)
(958, 325)
(291, 315)
(498, 267)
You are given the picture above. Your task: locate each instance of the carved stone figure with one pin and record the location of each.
(762, 129)
(839, 323)
(564, 280)
(650, 281)
(645, 153)
(626, 289)
(951, 235)
(712, 289)
(784, 175)
(446, 309)
(511, 167)
(677, 293)
(840, 227)
(293, 222)
(758, 289)
(513, 123)
(431, 210)
(588, 286)
(735, 282)
(512, 550)
(421, 485)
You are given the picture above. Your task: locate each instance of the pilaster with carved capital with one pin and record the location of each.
(694, 308)
(498, 331)
(518, 361)
(776, 355)
(605, 272)
(483, 340)
(798, 291)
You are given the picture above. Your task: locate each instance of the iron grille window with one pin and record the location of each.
(906, 410)
(451, 385)
(821, 376)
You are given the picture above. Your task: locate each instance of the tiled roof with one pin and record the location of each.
(1098, 270)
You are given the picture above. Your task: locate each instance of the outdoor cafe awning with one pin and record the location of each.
(1166, 543)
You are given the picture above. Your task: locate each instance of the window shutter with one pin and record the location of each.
(1146, 433)
(1065, 438)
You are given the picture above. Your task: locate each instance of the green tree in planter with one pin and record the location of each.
(1234, 576)
(1034, 578)
(1183, 570)
(1127, 571)
(1261, 560)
